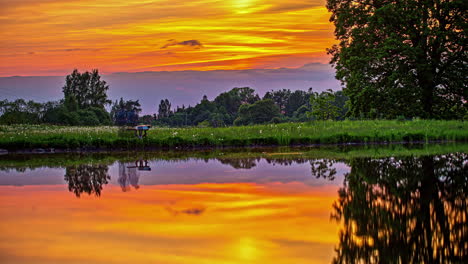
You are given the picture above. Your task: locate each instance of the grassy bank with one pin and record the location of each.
(20, 137)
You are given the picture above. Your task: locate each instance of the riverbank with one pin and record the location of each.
(45, 138)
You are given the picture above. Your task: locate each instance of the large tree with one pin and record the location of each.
(405, 57)
(87, 88)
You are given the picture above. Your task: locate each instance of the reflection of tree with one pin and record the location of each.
(408, 210)
(323, 168)
(87, 179)
(249, 163)
(246, 163)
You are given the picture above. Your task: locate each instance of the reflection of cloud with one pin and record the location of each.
(191, 43)
(189, 211)
(74, 49)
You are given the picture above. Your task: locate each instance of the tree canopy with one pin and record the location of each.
(87, 88)
(402, 57)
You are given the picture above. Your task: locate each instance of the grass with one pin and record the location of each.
(22, 137)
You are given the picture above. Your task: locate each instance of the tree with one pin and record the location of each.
(323, 106)
(87, 88)
(280, 97)
(164, 109)
(341, 101)
(229, 102)
(295, 100)
(260, 112)
(21, 112)
(402, 57)
(125, 112)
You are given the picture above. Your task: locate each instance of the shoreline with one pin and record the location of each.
(91, 150)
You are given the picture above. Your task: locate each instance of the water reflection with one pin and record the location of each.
(270, 209)
(129, 174)
(87, 178)
(323, 169)
(404, 210)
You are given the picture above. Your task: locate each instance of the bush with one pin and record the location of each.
(87, 118)
(19, 118)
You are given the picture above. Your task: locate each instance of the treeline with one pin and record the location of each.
(85, 101)
(85, 98)
(242, 106)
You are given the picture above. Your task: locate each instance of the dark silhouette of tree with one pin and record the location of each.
(87, 179)
(402, 57)
(228, 103)
(87, 88)
(125, 112)
(280, 98)
(404, 210)
(296, 99)
(260, 112)
(164, 109)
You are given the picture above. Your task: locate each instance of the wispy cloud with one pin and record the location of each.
(110, 34)
(191, 43)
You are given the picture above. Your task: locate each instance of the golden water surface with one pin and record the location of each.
(181, 223)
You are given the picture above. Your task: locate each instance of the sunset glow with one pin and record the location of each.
(203, 223)
(51, 37)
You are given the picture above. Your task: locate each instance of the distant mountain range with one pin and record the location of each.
(180, 87)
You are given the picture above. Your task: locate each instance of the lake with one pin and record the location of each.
(393, 203)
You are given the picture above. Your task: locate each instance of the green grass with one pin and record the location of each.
(19, 137)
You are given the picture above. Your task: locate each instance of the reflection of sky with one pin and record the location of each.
(186, 212)
(191, 171)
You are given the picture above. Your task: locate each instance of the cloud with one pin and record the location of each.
(189, 211)
(191, 43)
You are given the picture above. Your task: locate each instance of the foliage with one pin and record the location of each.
(323, 106)
(228, 103)
(224, 109)
(257, 113)
(87, 89)
(402, 58)
(125, 112)
(164, 110)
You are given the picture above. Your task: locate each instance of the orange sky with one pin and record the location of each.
(51, 37)
(203, 223)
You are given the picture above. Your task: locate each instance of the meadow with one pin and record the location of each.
(27, 137)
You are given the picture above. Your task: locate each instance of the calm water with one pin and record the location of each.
(281, 208)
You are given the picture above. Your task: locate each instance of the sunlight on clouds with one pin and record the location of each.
(56, 36)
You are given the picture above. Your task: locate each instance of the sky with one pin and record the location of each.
(52, 37)
(151, 50)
